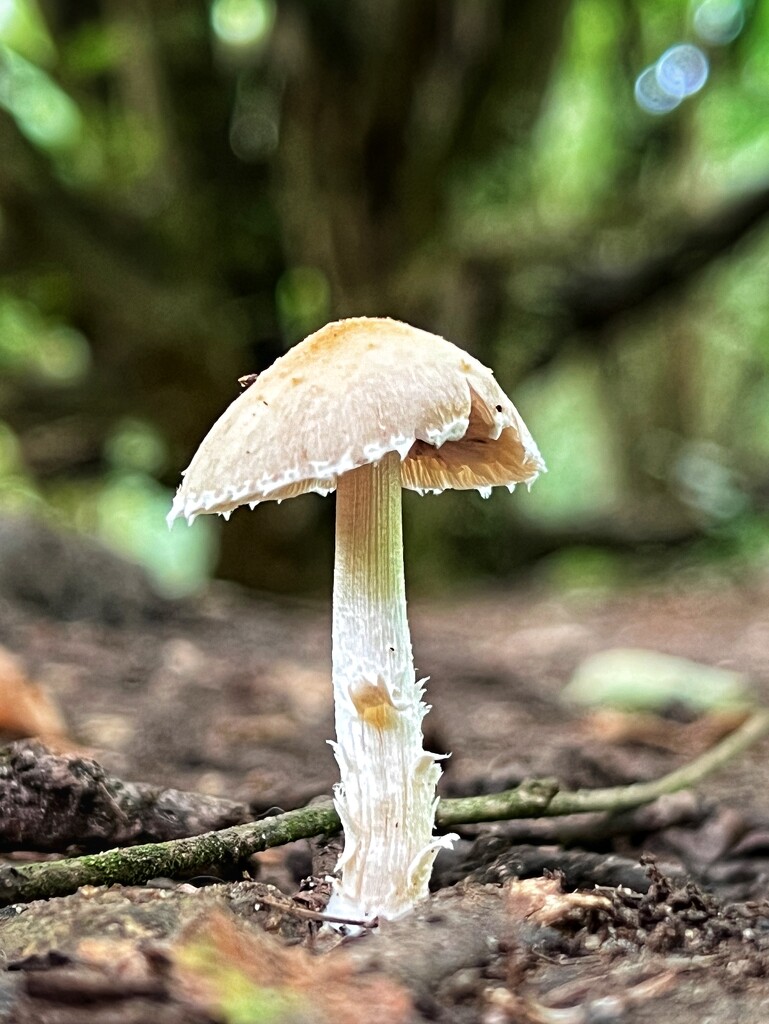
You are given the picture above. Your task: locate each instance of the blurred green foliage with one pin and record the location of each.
(189, 189)
(237, 998)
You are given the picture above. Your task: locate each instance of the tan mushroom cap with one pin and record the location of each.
(344, 397)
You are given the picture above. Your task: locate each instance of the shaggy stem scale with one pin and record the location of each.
(386, 794)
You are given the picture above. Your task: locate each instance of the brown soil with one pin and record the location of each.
(231, 697)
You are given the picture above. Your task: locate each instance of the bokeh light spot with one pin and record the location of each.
(43, 111)
(242, 22)
(650, 96)
(135, 445)
(719, 22)
(253, 136)
(65, 355)
(682, 70)
(131, 510)
(7, 13)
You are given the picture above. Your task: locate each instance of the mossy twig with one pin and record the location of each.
(231, 846)
(522, 801)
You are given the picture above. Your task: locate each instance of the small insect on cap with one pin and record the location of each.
(344, 397)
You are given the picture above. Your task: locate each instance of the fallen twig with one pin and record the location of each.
(313, 915)
(503, 806)
(179, 858)
(684, 808)
(231, 846)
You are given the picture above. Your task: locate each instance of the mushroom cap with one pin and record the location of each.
(346, 396)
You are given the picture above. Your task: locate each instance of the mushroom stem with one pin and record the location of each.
(386, 796)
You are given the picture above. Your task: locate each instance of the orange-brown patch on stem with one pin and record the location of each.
(374, 704)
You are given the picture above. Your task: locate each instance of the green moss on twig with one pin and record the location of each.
(231, 846)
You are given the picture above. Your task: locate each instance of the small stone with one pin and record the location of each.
(464, 983)
(605, 1010)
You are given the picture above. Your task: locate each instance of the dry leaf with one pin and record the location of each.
(244, 974)
(25, 710)
(542, 901)
(690, 738)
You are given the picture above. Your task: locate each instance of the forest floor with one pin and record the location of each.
(540, 922)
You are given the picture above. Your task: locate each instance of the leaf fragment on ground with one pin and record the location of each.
(246, 975)
(542, 901)
(641, 727)
(25, 709)
(639, 679)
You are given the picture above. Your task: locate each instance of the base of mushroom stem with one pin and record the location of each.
(350, 920)
(355, 918)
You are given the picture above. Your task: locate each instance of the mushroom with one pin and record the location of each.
(367, 406)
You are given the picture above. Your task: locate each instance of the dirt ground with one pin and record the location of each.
(530, 921)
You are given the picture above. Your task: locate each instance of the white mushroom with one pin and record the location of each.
(366, 407)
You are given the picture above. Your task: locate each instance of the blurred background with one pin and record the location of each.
(187, 189)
